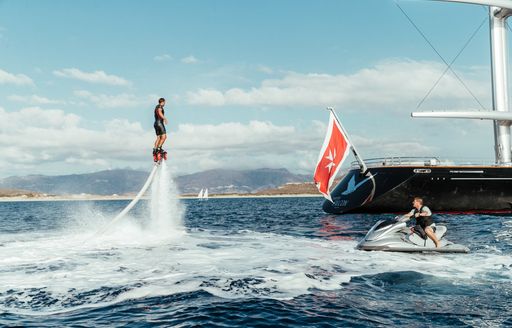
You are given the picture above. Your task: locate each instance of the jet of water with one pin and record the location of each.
(166, 209)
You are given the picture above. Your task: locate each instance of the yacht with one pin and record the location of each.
(386, 185)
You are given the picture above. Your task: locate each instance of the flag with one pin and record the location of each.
(334, 151)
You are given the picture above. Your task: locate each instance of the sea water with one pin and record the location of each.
(265, 262)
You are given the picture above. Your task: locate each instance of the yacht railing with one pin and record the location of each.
(420, 161)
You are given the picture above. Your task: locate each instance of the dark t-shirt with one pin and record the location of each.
(423, 221)
(157, 117)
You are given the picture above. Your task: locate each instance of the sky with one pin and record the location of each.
(246, 82)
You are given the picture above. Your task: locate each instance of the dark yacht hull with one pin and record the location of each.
(477, 189)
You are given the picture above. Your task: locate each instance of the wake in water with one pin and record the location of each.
(58, 274)
(54, 271)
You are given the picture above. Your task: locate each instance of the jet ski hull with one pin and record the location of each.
(392, 236)
(453, 248)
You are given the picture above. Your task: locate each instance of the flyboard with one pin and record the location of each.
(158, 160)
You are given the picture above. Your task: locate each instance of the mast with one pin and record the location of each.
(498, 31)
(499, 11)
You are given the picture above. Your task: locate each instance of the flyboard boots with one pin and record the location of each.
(159, 154)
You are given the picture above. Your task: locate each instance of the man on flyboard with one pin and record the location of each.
(161, 134)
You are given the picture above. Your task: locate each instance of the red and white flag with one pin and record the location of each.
(334, 151)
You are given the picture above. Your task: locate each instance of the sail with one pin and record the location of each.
(205, 195)
(200, 195)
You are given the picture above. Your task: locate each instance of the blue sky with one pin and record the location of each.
(247, 81)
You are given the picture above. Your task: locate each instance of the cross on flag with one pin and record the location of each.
(334, 151)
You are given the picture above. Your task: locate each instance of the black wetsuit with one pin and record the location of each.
(421, 223)
(159, 122)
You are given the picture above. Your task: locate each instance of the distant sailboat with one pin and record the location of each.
(203, 194)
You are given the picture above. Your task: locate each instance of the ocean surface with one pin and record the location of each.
(252, 262)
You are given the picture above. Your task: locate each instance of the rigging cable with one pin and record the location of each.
(449, 66)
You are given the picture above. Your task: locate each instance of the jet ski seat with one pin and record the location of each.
(420, 232)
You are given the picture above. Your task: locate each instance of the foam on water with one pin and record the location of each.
(164, 218)
(56, 271)
(505, 234)
(59, 273)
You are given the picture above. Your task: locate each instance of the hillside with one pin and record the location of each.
(19, 193)
(224, 181)
(99, 183)
(124, 181)
(294, 188)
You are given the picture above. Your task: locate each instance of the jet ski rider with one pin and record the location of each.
(424, 221)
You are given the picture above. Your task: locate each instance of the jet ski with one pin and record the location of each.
(394, 236)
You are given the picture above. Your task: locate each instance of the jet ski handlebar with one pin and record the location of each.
(401, 218)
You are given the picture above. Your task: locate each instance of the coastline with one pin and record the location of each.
(67, 198)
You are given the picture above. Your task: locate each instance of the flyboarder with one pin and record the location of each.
(161, 134)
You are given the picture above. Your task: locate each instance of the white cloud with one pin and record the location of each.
(35, 117)
(231, 135)
(17, 79)
(34, 140)
(390, 83)
(110, 101)
(88, 162)
(92, 77)
(35, 100)
(240, 146)
(208, 97)
(263, 144)
(39, 140)
(190, 60)
(265, 69)
(162, 58)
(387, 147)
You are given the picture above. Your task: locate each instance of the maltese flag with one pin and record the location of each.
(334, 151)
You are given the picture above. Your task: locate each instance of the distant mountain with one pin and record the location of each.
(223, 181)
(98, 183)
(130, 181)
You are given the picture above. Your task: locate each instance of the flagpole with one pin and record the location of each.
(364, 168)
